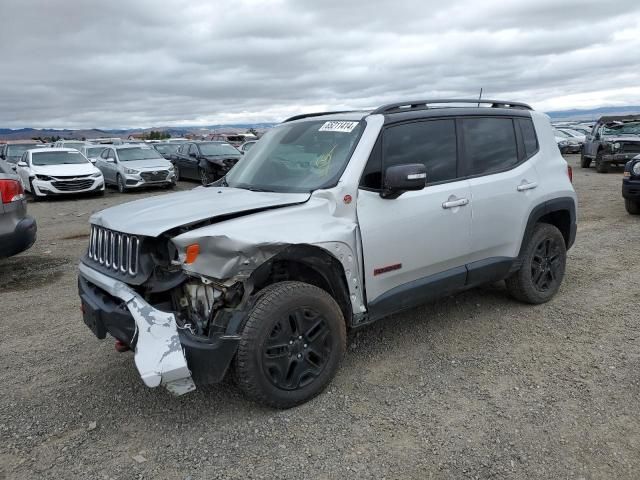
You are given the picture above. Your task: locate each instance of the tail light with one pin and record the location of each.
(570, 173)
(11, 191)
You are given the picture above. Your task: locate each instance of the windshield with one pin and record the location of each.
(629, 128)
(297, 157)
(166, 148)
(217, 149)
(129, 154)
(18, 150)
(57, 158)
(94, 151)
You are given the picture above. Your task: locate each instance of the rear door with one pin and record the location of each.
(499, 159)
(417, 244)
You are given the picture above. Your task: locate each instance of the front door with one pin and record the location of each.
(415, 247)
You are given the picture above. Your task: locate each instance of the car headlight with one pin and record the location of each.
(97, 175)
(563, 143)
(615, 146)
(636, 168)
(131, 171)
(46, 178)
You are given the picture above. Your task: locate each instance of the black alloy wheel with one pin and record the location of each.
(545, 264)
(297, 349)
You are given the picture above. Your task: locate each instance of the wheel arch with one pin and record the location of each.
(559, 212)
(310, 264)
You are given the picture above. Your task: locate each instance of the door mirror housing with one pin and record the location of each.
(403, 178)
(111, 160)
(22, 164)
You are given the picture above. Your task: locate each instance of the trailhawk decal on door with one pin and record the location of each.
(344, 127)
(389, 268)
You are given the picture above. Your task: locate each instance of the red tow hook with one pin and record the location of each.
(122, 347)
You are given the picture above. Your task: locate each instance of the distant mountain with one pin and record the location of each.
(592, 114)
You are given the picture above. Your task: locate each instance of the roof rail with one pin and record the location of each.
(424, 104)
(318, 114)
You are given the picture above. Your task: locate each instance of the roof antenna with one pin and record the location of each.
(480, 97)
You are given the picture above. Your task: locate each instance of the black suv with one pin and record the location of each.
(631, 186)
(613, 141)
(205, 161)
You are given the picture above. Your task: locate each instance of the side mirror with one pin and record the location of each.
(93, 160)
(111, 160)
(403, 178)
(22, 164)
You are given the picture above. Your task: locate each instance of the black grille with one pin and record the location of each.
(72, 185)
(154, 176)
(114, 250)
(630, 147)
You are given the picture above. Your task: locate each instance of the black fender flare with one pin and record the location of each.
(561, 204)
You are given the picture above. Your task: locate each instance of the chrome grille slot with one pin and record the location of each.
(114, 250)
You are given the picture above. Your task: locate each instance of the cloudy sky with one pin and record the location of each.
(129, 63)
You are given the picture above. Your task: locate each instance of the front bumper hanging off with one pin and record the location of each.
(159, 356)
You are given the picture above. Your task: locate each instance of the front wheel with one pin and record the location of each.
(122, 187)
(584, 161)
(205, 177)
(543, 265)
(632, 206)
(292, 344)
(601, 165)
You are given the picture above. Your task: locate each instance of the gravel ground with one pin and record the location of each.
(473, 386)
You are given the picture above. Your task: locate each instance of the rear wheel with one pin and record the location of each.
(632, 206)
(601, 165)
(122, 187)
(292, 344)
(543, 266)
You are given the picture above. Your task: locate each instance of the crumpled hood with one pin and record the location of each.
(623, 138)
(155, 215)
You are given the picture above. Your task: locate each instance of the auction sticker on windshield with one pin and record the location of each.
(345, 127)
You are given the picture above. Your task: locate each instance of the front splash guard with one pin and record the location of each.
(159, 357)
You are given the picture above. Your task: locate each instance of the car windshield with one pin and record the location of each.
(76, 145)
(297, 157)
(166, 148)
(57, 158)
(628, 128)
(217, 149)
(18, 150)
(94, 151)
(129, 154)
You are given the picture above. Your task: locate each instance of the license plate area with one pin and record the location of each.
(91, 317)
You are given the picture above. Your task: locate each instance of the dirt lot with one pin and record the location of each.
(474, 386)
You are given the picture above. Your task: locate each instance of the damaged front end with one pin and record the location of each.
(182, 328)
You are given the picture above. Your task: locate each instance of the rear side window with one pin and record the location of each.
(529, 138)
(489, 144)
(432, 143)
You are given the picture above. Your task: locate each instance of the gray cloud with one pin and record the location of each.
(143, 63)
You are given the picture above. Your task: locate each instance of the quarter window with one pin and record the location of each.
(432, 143)
(528, 137)
(489, 144)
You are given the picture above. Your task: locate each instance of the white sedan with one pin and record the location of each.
(58, 171)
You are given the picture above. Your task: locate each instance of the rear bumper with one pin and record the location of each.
(631, 189)
(164, 354)
(21, 239)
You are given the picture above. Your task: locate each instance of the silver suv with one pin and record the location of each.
(329, 223)
(135, 166)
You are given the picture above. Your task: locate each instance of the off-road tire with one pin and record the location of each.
(122, 187)
(525, 285)
(584, 161)
(632, 206)
(272, 319)
(601, 165)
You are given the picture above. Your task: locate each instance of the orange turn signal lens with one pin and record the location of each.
(192, 253)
